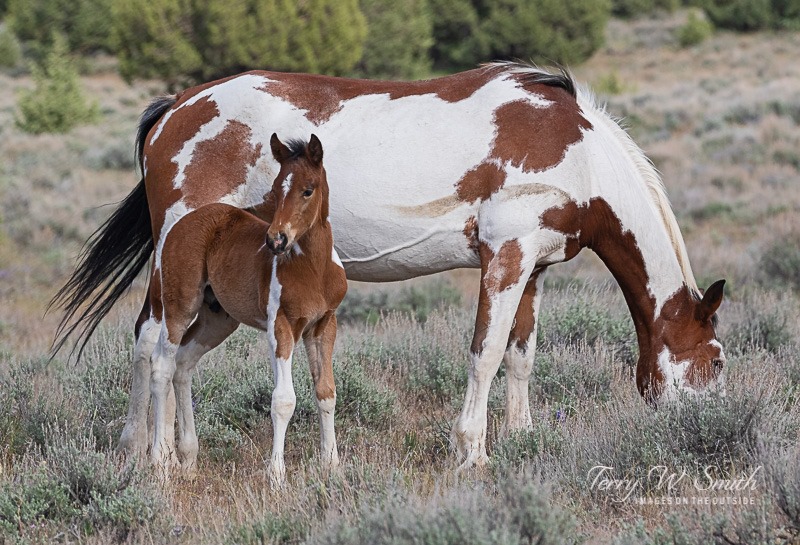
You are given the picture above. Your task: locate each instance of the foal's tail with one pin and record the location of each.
(112, 257)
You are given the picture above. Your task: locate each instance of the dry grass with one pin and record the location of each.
(722, 122)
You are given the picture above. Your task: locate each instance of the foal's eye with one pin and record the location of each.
(717, 364)
(308, 192)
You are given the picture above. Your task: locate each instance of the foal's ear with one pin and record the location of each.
(279, 150)
(314, 150)
(712, 298)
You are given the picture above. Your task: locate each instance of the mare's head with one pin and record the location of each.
(299, 194)
(685, 355)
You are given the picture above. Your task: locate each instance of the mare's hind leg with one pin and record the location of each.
(212, 326)
(319, 347)
(185, 288)
(134, 437)
(520, 354)
(504, 271)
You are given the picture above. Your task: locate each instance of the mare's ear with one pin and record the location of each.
(314, 150)
(279, 150)
(712, 298)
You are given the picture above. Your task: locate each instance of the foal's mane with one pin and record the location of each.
(648, 174)
(297, 148)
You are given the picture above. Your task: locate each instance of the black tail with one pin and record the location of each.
(112, 257)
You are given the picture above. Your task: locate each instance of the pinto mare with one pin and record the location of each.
(217, 272)
(505, 168)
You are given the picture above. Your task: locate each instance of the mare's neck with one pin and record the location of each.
(637, 250)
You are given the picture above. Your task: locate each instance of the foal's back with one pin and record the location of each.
(222, 246)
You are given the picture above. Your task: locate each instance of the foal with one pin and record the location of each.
(224, 266)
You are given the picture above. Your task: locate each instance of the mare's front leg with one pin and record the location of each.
(319, 347)
(281, 343)
(206, 333)
(519, 356)
(504, 272)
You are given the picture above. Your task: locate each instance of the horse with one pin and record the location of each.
(507, 168)
(216, 273)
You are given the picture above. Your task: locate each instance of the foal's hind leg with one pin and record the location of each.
(519, 356)
(319, 347)
(504, 272)
(209, 329)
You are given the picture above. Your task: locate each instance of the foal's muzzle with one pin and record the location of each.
(277, 243)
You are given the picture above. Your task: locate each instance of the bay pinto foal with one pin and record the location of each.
(225, 266)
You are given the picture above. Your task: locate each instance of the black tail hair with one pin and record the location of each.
(112, 257)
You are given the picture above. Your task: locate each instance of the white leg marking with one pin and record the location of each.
(283, 403)
(328, 451)
(161, 373)
(470, 428)
(134, 438)
(519, 365)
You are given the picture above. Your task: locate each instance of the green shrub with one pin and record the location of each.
(586, 321)
(399, 35)
(10, 50)
(639, 8)
(359, 399)
(77, 486)
(567, 377)
(459, 42)
(417, 301)
(519, 512)
(748, 15)
(57, 103)
(86, 24)
(522, 446)
(696, 30)
(688, 434)
(546, 31)
(232, 397)
(780, 262)
(766, 328)
(182, 41)
(271, 529)
(27, 409)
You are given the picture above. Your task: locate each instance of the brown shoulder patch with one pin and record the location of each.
(228, 171)
(480, 182)
(536, 139)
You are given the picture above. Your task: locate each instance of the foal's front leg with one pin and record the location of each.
(319, 347)
(281, 343)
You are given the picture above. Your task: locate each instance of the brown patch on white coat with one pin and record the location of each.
(220, 250)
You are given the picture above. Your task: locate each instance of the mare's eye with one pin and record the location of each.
(717, 364)
(308, 192)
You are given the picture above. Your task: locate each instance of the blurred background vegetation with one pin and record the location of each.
(186, 41)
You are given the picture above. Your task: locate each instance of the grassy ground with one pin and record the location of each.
(722, 122)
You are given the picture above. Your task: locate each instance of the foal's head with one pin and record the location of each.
(299, 193)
